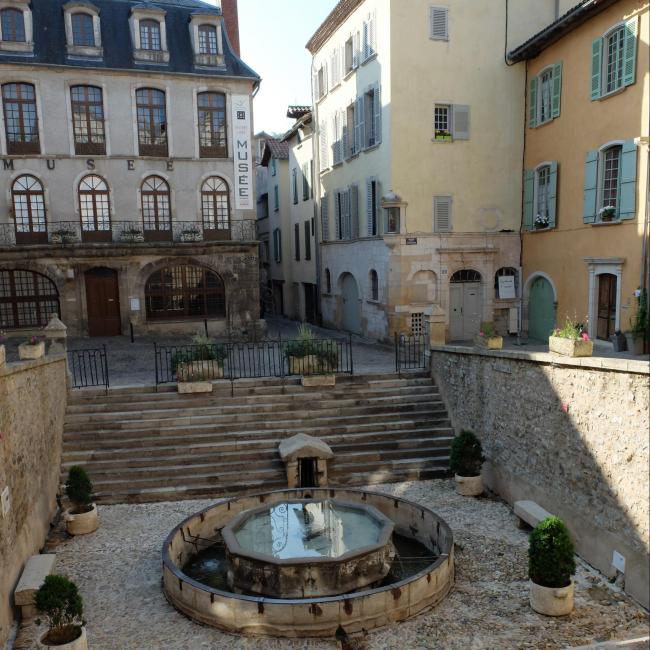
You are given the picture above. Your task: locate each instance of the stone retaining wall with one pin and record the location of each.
(32, 409)
(570, 434)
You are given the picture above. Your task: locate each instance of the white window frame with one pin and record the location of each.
(25, 47)
(605, 60)
(600, 187)
(537, 170)
(449, 107)
(82, 51)
(540, 100)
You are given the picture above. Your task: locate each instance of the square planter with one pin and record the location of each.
(489, 343)
(198, 371)
(570, 347)
(634, 343)
(308, 365)
(27, 351)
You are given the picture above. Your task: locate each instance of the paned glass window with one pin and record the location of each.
(88, 120)
(21, 118)
(27, 299)
(12, 22)
(212, 125)
(150, 35)
(152, 122)
(83, 33)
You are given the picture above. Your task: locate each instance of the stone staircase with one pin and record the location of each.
(141, 445)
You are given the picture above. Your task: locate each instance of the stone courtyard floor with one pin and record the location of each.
(118, 571)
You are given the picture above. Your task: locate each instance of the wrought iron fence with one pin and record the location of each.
(411, 352)
(89, 367)
(252, 359)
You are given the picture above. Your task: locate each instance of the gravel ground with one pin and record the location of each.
(118, 572)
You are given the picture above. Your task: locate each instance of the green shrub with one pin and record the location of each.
(488, 330)
(550, 554)
(78, 487)
(59, 600)
(203, 348)
(305, 344)
(639, 324)
(466, 454)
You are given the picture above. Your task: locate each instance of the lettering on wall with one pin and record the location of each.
(241, 131)
(245, 168)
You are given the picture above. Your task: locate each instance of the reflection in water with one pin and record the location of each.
(315, 529)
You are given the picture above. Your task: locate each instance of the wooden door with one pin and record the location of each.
(103, 302)
(466, 307)
(456, 312)
(606, 306)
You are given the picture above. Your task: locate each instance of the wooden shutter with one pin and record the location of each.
(345, 140)
(552, 196)
(557, 90)
(439, 23)
(460, 122)
(370, 216)
(529, 192)
(325, 217)
(296, 243)
(591, 187)
(442, 213)
(532, 104)
(359, 130)
(345, 209)
(627, 196)
(336, 138)
(629, 51)
(377, 115)
(337, 215)
(596, 65)
(354, 211)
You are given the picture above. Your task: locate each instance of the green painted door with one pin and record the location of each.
(541, 312)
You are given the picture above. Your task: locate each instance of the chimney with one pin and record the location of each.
(231, 21)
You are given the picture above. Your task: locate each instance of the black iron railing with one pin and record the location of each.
(89, 367)
(411, 352)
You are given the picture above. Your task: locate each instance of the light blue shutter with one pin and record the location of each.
(532, 107)
(591, 187)
(596, 65)
(529, 191)
(325, 217)
(629, 51)
(557, 89)
(377, 116)
(627, 195)
(552, 196)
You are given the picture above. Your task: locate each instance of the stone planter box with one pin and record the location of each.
(469, 486)
(82, 523)
(552, 601)
(634, 343)
(188, 387)
(3, 356)
(28, 351)
(199, 371)
(318, 380)
(80, 643)
(570, 347)
(489, 343)
(309, 365)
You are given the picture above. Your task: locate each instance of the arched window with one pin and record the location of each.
(156, 209)
(215, 208)
(12, 22)
(21, 119)
(88, 120)
(212, 125)
(328, 281)
(185, 292)
(27, 299)
(208, 40)
(28, 198)
(466, 275)
(506, 272)
(152, 122)
(374, 285)
(83, 33)
(150, 35)
(94, 209)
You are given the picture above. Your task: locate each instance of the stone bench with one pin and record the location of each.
(33, 576)
(529, 513)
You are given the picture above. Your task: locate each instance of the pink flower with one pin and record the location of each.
(585, 336)
(481, 334)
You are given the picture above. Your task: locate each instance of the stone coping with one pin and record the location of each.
(29, 364)
(592, 363)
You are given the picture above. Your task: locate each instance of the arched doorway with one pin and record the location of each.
(465, 304)
(351, 307)
(541, 309)
(103, 302)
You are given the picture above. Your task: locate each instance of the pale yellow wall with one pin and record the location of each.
(584, 125)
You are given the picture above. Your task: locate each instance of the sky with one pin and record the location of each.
(273, 34)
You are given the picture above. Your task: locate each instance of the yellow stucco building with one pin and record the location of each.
(585, 197)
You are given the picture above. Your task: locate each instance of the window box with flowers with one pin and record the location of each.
(132, 234)
(191, 234)
(488, 338)
(571, 340)
(607, 213)
(32, 348)
(541, 222)
(64, 236)
(443, 134)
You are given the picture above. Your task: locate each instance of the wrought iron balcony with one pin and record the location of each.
(71, 233)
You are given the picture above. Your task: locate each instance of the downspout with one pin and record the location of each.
(316, 189)
(645, 271)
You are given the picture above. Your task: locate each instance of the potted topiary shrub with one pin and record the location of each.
(81, 518)
(551, 564)
(571, 340)
(465, 461)
(32, 348)
(307, 356)
(59, 600)
(638, 325)
(488, 337)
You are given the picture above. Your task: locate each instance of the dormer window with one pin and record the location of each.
(208, 39)
(13, 25)
(206, 36)
(149, 35)
(16, 27)
(82, 30)
(83, 34)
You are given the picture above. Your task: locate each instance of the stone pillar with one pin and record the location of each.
(57, 334)
(437, 326)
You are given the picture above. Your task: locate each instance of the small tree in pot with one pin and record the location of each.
(466, 460)
(59, 601)
(551, 563)
(82, 517)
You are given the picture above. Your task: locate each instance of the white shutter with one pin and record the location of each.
(356, 48)
(377, 115)
(359, 134)
(315, 86)
(442, 213)
(342, 64)
(335, 143)
(439, 23)
(323, 146)
(325, 218)
(372, 35)
(345, 139)
(460, 122)
(354, 211)
(366, 44)
(325, 86)
(337, 215)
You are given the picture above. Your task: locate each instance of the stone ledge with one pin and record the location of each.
(21, 366)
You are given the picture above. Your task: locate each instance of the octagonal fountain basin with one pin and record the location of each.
(304, 562)
(305, 548)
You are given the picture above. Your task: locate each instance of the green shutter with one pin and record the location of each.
(596, 59)
(591, 184)
(629, 51)
(552, 196)
(529, 191)
(557, 89)
(627, 194)
(532, 108)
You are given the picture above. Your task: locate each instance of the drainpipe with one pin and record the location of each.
(316, 189)
(645, 271)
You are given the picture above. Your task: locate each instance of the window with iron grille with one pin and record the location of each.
(185, 292)
(208, 43)
(417, 324)
(611, 177)
(94, 204)
(12, 22)
(150, 35)
(156, 200)
(215, 204)
(88, 120)
(27, 299)
(614, 58)
(28, 198)
(212, 125)
(152, 122)
(21, 118)
(83, 32)
(466, 275)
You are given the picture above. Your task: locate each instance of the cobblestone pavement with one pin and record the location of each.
(118, 571)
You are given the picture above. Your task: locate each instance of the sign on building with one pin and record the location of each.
(243, 153)
(507, 287)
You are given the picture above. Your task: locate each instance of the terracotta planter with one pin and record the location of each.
(80, 643)
(28, 351)
(3, 356)
(82, 523)
(309, 365)
(634, 343)
(490, 343)
(570, 347)
(469, 486)
(199, 370)
(552, 601)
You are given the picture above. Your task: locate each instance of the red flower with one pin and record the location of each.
(585, 336)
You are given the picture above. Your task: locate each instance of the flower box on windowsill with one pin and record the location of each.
(191, 235)
(63, 237)
(134, 236)
(442, 137)
(570, 347)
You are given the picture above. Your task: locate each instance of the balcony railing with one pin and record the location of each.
(66, 233)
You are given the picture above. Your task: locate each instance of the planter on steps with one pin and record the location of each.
(80, 643)
(199, 370)
(552, 601)
(82, 523)
(310, 364)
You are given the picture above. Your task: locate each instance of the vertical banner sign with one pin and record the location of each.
(241, 131)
